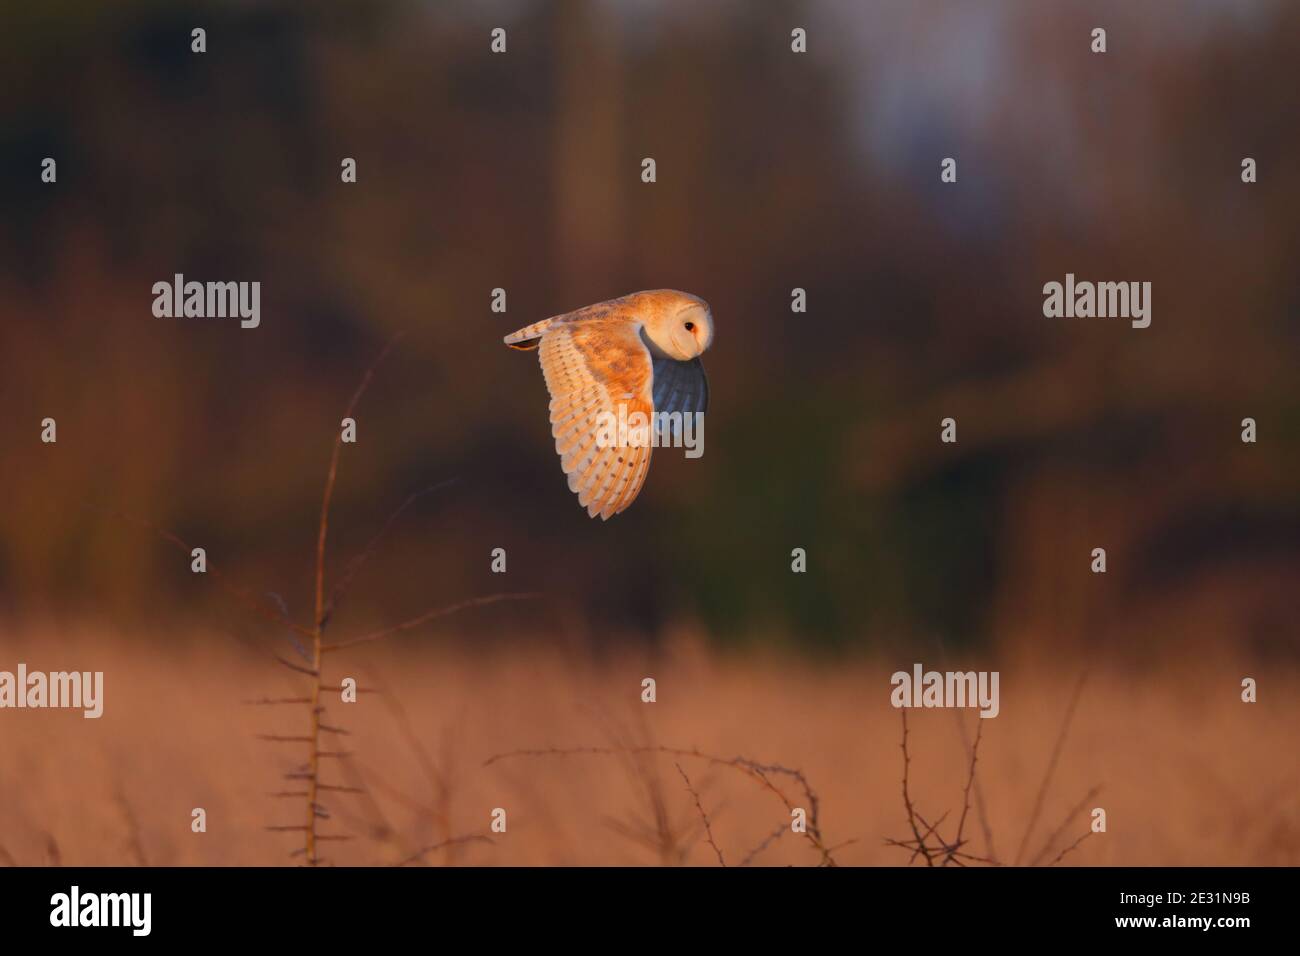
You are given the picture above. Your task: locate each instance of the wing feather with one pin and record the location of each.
(680, 387)
(598, 372)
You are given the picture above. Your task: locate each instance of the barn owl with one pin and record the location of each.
(629, 359)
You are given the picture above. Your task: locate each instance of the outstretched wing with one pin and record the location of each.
(599, 374)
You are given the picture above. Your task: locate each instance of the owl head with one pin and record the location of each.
(678, 324)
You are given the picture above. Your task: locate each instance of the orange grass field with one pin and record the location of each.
(1188, 774)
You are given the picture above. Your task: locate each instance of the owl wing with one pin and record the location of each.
(599, 373)
(530, 336)
(680, 387)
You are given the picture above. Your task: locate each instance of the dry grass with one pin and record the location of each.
(1189, 774)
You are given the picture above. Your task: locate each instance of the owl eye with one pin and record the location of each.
(690, 326)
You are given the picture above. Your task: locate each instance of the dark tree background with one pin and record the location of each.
(775, 171)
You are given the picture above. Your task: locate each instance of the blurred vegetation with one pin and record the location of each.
(775, 171)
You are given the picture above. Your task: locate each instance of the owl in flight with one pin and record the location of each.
(632, 360)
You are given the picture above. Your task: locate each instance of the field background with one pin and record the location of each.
(775, 171)
(1188, 774)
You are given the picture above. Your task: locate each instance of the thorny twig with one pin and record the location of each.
(760, 772)
(708, 830)
(945, 851)
(418, 856)
(907, 800)
(951, 852)
(767, 841)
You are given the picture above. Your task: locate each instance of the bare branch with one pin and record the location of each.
(1056, 834)
(275, 701)
(768, 841)
(708, 830)
(247, 598)
(418, 857)
(1060, 856)
(970, 781)
(355, 565)
(907, 798)
(429, 616)
(331, 476)
(294, 667)
(318, 616)
(1057, 747)
(759, 772)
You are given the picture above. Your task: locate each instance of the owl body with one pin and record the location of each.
(632, 359)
